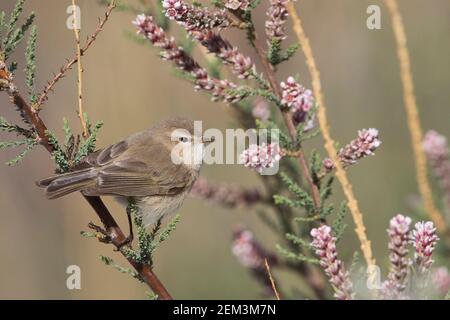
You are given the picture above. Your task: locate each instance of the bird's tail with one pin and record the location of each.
(63, 184)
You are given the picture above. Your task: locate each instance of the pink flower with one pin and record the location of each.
(325, 247)
(260, 109)
(224, 194)
(440, 278)
(246, 249)
(251, 255)
(398, 232)
(175, 9)
(237, 4)
(277, 15)
(424, 240)
(364, 145)
(260, 157)
(437, 152)
(218, 88)
(295, 96)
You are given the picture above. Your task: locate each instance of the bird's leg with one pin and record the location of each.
(130, 237)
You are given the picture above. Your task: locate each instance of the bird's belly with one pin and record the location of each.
(156, 207)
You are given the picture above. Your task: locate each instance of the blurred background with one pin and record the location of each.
(128, 87)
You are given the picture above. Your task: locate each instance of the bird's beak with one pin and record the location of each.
(207, 140)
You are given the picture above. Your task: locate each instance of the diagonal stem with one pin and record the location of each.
(329, 144)
(286, 118)
(412, 114)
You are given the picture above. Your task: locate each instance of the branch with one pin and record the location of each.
(62, 71)
(329, 143)
(111, 226)
(76, 30)
(286, 117)
(412, 113)
(117, 237)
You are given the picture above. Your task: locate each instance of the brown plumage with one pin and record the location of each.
(139, 166)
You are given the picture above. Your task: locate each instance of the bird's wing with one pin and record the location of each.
(145, 173)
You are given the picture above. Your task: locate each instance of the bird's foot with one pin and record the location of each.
(100, 233)
(127, 242)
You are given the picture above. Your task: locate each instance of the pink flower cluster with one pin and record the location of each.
(260, 109)
(364, 145)
(157, 36)
(251, 255)
(237, 4)
(277, 15)
(424, 239)
(260, 157)
(194, 19)
(226, 195)
(246, 249)
(441, 279)
(175, 9)
(295, 96)
(437, 152)
(241, 65)
(325, 247)
(398, 232)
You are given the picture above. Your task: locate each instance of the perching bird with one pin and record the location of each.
(156, 167)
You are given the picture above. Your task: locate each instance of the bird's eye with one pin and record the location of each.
(183, 139)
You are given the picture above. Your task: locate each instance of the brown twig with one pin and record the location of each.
(269, 71)
(113, 230)
(311, 274)
(412, 114)
(272, 282)
(329, 144)
(111, 226)
(76, 30)
(62, 71)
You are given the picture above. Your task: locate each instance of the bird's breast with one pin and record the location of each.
(154, 208)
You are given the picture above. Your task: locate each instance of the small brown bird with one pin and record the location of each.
(156, 167)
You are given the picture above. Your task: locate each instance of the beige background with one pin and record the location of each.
(129, 88)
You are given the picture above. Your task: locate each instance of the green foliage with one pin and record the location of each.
(338, 226)
(30, 55)
(160, 17)
(2, 20)
(15, 35)
(315, 167)
(58, 155)
(5, 126)
(218, 4)
(275, 54)
(282, 139)
(88, 145)
(302, 198)
(147, 242)
(355, 261)
(254, 3)
(298, 241)
(213, 68)
(151, 295)
(73, 150)
(110, 262)
(28, 143)
(29, 140)
(290, 51)
(296, 256)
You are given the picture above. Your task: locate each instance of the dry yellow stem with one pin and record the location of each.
(413, 115)
(272, 282)
(329, 144)
(76, 30)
